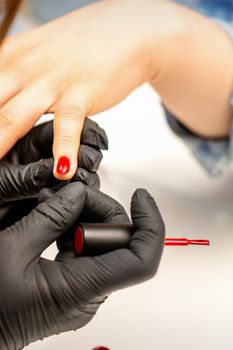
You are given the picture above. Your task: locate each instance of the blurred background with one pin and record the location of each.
(188, 305)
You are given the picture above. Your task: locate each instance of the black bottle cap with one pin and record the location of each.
(95, 239)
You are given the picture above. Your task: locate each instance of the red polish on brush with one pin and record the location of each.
(94, 239)
(186, 241)
(63, 166)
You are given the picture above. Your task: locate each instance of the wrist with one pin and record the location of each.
(187, 68)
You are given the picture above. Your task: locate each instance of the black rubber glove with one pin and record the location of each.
(18, 181)
(37, 145)
(39, 297)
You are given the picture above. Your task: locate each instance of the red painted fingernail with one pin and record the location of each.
(63, 166)
(101, 348)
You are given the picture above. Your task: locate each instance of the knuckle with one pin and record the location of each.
(75, 115)
(90, 158)
(94, 181)
(54, 214)
(40, 173)
(66, 140)
(148, 268)
(118, 210)
(81, 175)
(7, 119)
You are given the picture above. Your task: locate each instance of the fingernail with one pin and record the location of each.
(63, 166)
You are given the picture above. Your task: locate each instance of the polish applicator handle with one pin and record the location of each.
(100, 238)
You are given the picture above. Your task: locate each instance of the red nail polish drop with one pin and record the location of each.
(63, 166)
(101, 348)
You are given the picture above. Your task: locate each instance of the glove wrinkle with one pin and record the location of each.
(20, 182)
(89, 158)
(87, 178)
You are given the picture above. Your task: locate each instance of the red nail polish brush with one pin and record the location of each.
(186, 241)
(94, 239)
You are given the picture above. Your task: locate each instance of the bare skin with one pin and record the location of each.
(91, 59)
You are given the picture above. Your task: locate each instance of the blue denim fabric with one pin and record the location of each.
(221, 9)
(44, 10)
(47, 10)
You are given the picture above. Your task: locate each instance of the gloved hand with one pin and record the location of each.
(39, 297)
(18, 181)
(37, 144)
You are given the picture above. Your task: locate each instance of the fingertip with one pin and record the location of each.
(65, 167)
(43, 172)
(102, 140)
(94, 135)
(46, 165)
(87, 178)
(74, 192)
(103, 208)
(140, 196)
(89, 158)
(145, 212)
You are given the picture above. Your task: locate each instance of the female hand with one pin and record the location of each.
(40, 297)
(37, 145)
(75, 66)
(27, 168)
(91, 59)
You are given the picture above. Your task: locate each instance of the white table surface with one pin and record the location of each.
(189, 304)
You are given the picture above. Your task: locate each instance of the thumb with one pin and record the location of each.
(49, 220)
(24, 181)
(124, 267)
(148, 240)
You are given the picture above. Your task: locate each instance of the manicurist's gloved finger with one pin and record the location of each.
(89, 158)
(99, 207)
(24, 181)
(81, 175)
(87, 178)
(49, 297)
(94, 135)
(50, 219)
(125, 267)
